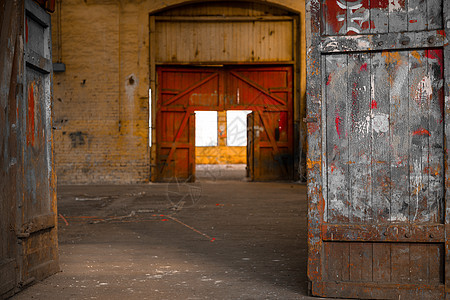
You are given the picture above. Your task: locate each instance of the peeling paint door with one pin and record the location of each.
(37, 223)
(378, 112)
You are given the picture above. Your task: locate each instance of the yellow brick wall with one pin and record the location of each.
(101, 100)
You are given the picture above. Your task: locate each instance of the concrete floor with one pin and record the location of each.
(205, 240)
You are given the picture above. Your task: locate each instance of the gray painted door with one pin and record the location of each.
(378, 107)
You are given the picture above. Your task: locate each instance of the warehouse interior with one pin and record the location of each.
(172, 149)
(131, 82)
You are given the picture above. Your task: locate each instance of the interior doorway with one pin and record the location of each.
(221, 145)
(264, 90)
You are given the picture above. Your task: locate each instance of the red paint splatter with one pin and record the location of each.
(363, 67)
(412, 21)
(374, 104)
(30, 116)
(213, 239)
(333, 167)
(26, 30)
(164, 220)
(337, 121)
(329, 79)
(421, 131)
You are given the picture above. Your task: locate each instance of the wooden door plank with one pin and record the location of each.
(337, 109)
(361, 262)
(190, 89)
(359, 129)
(398, 16)
(400, 263)
(435, 262)
(379, 17)
(419, 133)
(434, 14)
(417, 15)
(381, 262)
(419, 268)
(397, 64)
(337, 259)
(258, 87)
(435, 61)
(446, 202)
(177, 137)
(380, 110)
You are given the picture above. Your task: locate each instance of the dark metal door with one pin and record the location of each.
(378, 107)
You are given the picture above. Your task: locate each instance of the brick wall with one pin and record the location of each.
(101, 100)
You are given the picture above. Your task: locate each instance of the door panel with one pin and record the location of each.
(265, 90)
(377, 127)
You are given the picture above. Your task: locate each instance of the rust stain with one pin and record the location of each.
(416, 55)
(310, 164)
(30, 115)
(391, 57)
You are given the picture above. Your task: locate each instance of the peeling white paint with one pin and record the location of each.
(380, 122)
(394, 5)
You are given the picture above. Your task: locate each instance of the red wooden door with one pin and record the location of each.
(377, 136)
(265, 90)
(181, 92)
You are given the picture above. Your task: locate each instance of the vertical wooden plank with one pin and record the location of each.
(380, 110)
(419, 133)
(400, 263)
(359, 138)
(418, 255)
(434, 14)
(417, 15)
(397, 64)
(338, 261)
(446, 15)
(337, 138)
(361, 262)
(435, 66)
(398, 15)
(436, 264)
(315, 154)
(379, 16)
(381, 262)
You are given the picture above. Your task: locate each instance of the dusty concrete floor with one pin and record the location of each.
(206, 240)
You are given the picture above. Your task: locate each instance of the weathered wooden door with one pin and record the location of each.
(37, 229)
(181, 92)
(378, 112)
(28, 237)
(267, 91)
